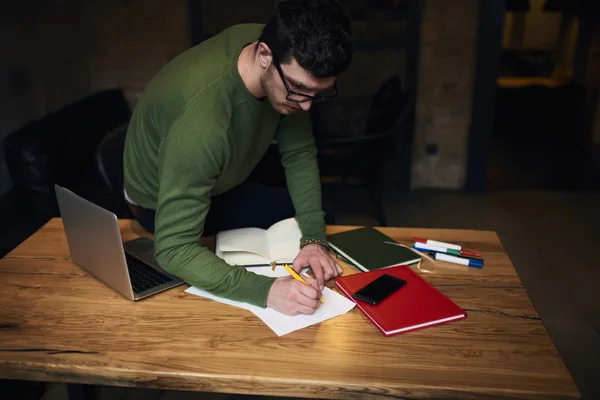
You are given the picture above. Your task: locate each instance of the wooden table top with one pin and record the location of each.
(57, 323)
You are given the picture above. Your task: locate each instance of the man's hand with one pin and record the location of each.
(292, 297)
(318, 259)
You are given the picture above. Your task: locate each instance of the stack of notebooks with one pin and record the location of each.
(415, 306)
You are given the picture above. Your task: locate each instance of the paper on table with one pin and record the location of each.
(282, 324)
(335, 305)
(266, 271)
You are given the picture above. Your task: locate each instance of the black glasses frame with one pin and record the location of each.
(305, 97)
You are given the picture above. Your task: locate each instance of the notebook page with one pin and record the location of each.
(284, 240)
(252, 240)
(243, 258)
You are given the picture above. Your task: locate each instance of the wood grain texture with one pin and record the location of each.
(57, 323)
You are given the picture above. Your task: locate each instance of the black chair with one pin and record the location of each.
(109, 160)
(360, 153)
(59, 148)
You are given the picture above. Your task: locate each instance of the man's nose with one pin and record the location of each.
(306, 105)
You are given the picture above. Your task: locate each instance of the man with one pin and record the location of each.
(203, 124)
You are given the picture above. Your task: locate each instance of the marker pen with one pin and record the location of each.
(436, 243)
(458, 260)
(428, 247)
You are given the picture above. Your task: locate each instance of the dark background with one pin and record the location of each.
(467, 114)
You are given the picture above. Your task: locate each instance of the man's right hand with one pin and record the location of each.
(292, 297)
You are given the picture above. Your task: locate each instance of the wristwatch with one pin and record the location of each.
(314, 241)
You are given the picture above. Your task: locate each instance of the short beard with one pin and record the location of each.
(266, 81)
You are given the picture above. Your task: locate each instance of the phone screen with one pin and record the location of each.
(382, 287)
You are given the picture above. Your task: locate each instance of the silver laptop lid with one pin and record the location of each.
(94, 240)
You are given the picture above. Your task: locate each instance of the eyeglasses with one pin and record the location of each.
(299, 97)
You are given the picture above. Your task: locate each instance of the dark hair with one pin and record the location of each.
(316, 33)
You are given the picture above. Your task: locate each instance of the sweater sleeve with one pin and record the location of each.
(190, 160)
(299, 159)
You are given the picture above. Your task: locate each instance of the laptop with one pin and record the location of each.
(95, 245)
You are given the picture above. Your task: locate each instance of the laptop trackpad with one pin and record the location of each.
(143, 249)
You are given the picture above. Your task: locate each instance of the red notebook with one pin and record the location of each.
(415, 306)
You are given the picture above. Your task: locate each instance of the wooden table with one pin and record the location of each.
(59, 324)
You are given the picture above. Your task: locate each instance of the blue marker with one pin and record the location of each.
(458, 260)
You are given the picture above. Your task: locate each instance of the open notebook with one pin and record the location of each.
(254, 246)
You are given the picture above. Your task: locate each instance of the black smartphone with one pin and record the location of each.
(381, 288)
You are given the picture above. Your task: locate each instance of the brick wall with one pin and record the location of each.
(56, 52)
(218, 15)
(43, 64)
(445, 87)
(131, 41)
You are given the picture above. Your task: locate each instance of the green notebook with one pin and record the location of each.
(367, 249)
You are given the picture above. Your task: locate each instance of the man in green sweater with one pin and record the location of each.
(203, 124)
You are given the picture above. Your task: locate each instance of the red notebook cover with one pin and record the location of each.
(415, 306)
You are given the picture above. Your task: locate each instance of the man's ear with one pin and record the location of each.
(265, 55)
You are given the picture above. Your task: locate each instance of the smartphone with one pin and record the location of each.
(381, 288)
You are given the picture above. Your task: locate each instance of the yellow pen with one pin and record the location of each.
(297, 277)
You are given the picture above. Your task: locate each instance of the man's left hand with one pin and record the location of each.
(318, 259)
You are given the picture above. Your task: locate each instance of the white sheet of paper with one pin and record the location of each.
(335, 305)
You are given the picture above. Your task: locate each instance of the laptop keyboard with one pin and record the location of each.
(144, 277)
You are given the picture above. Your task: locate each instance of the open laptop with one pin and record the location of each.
(95, 245)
